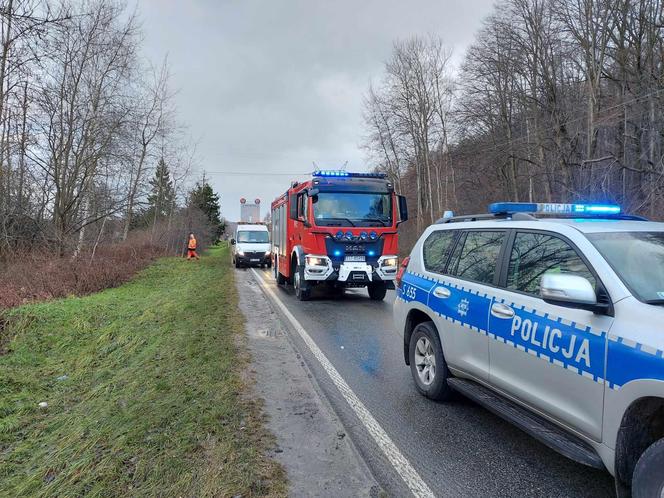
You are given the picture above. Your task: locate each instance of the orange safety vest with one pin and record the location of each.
(192, 244)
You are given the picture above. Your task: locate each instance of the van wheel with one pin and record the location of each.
(237, 264)
(648, 478)
(427, 363)
(302, 289)
(377, 291)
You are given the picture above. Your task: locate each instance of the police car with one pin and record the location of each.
(551, 316)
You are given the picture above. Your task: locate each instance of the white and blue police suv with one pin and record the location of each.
(551, 316)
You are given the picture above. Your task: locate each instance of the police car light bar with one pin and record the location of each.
(553, 208)
(346, 174)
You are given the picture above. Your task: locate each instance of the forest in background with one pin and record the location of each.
(554, 101)
(95, 168)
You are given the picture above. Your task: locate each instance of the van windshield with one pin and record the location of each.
(253, 237)
(353, 209)
(638, 259)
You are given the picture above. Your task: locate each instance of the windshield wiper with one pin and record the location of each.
(655, 302)
(338, 218)
(376, 220)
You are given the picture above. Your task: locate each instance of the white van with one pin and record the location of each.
(251, 246)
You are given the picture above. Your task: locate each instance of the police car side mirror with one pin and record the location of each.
(570, 291)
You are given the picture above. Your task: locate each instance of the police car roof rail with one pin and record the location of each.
(532, 217)
(485, 216)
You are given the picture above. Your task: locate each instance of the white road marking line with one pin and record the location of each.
(403, 467)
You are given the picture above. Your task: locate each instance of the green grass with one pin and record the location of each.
(153, 401)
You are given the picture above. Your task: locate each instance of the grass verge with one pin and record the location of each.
(144, 391)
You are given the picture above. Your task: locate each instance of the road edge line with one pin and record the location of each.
(400, 463)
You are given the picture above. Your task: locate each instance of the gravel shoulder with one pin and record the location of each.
(311, 442)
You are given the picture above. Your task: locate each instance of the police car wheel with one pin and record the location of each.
(427, 363)
(302, 290)
(648, 478)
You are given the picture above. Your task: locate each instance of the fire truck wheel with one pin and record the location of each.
(281, 280)
(377, 291)
(302, 289)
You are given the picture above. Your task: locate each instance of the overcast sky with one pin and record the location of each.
(268, 87)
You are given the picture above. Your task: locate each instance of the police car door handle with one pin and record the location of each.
(442, 292)
(501, 311)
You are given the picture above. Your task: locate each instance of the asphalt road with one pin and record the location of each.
(457, 448)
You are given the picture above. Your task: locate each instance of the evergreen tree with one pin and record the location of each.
(162, 193)
(205, 199)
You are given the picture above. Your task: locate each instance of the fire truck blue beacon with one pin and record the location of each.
(552, 316)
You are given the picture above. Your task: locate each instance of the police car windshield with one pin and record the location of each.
(252, 237)
(638, 259)
(360, 209)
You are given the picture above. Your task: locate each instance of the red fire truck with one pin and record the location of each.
(337, 229)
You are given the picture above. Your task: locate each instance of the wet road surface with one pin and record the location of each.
(457, 448)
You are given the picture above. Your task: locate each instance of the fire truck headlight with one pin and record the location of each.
(391, 261)
(363, 235)
(373, 235)
(349, 235)
(316, 261)
(340, 234)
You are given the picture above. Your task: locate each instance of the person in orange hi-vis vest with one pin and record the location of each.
(191, 248)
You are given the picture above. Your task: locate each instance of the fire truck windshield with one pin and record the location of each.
(360, 209)
(253, 237)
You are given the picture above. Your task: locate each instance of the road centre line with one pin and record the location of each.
(403, 467)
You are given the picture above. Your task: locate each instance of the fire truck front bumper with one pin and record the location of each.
(352, 273)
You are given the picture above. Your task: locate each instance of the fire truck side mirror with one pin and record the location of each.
(292, 201)
(403, 208)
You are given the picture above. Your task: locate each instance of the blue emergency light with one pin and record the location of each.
(345, 174)
(553, 208)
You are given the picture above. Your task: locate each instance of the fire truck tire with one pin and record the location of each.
(281, 280)
(377, 291)
(302, 289)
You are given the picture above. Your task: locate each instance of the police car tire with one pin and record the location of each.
(648, 478)
(439, 389)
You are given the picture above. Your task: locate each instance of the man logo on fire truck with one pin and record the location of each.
(338, 229)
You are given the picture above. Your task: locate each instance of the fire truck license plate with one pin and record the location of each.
(355, 259)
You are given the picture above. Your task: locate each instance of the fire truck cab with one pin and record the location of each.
(338, 229)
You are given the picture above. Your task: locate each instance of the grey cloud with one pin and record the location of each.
(270, 86)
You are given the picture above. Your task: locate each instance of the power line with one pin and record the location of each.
(248, 173)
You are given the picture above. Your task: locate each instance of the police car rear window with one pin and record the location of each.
(476, 256)
(436, 250)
